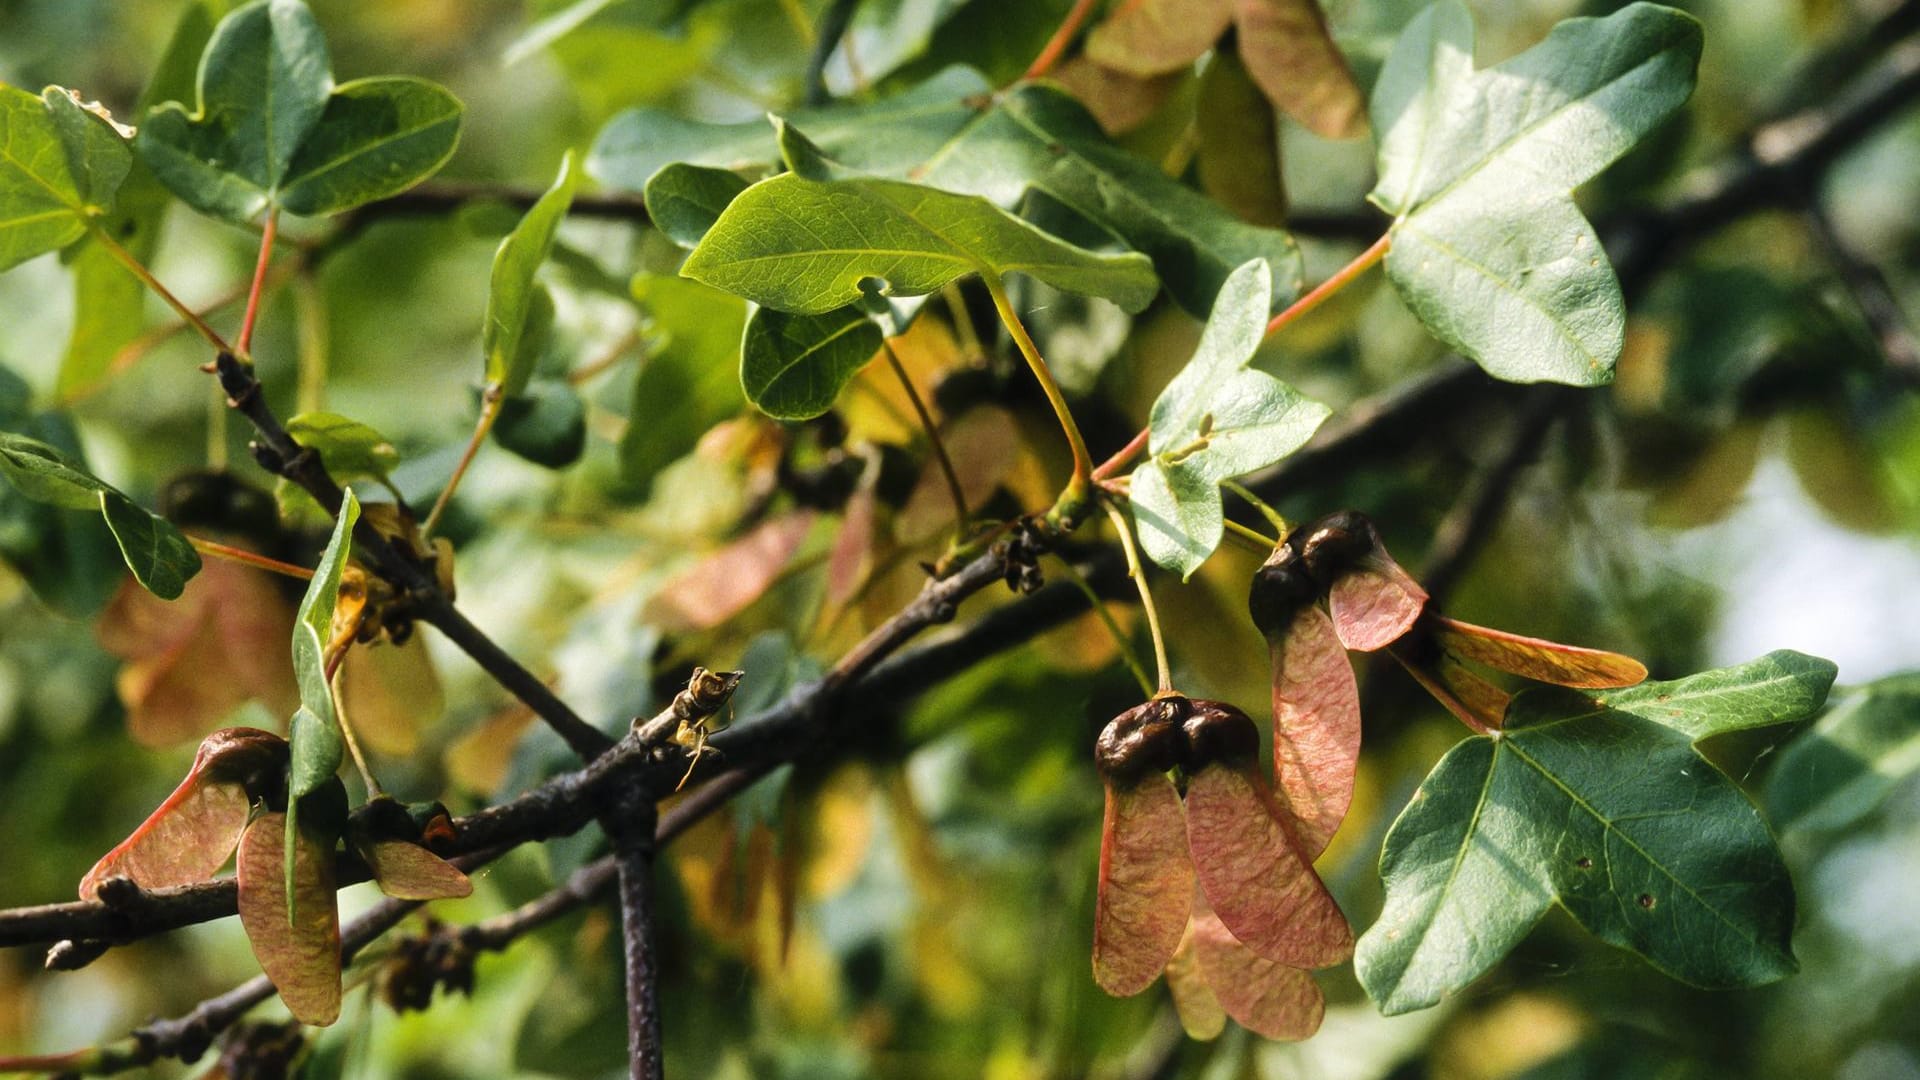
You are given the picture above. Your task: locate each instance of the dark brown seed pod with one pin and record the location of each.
(1281, 587)
(1332, 545)
(1218, 734)
(255, 760)
(1145, 739)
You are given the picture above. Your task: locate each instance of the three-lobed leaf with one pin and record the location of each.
(950, 133)
(1217, 419)
(160, 557)
(810, 246)
(1488, 248)
(60, 167)
(269, 130)
(1612, 814)
(514, 298)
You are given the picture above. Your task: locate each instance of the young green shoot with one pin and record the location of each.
(1273, 516)
(490, 400)
(1099, 606)
(1138, 574)
(1082, 483)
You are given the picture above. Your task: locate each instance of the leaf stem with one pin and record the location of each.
(615, 353)
(245, 345)
(961, 514)
(1099, 607)
(490, 399)
(1057, 44)
(1139, 577)
(248, 558)
(1082, 481)
(1340, 280)
(1254, 540)
(346, 729)
(139, 270)
(1273, 516)
(1123, 456)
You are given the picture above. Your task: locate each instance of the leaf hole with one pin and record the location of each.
(1583, 863)
(1646, 901)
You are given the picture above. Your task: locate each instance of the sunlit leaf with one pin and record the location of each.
(810, 246)
(60, 167)
(160, 557)
(189, 836)
(1534, 658)
(511, 297)
(793, 367)
(1316, 727)
(634, 148)
(1478, 169)
(1614, 817)
(1266, 998)
(269, 129)
(1258, 881)
(1778, 688)
(950, 134)
(1146, 881)
(1216, 420)
(108, 302)
(301, 954)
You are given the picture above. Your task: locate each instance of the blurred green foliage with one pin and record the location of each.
(1749, 482)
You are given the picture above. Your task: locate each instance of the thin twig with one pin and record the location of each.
(933, 435)
(1868, 287)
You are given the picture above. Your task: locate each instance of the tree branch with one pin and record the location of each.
(278, 453)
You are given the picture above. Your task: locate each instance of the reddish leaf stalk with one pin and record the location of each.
(1319, 295)
(139, 270)
(248, 558)
(1056, 46)
(1340, 280)
(245, 344)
